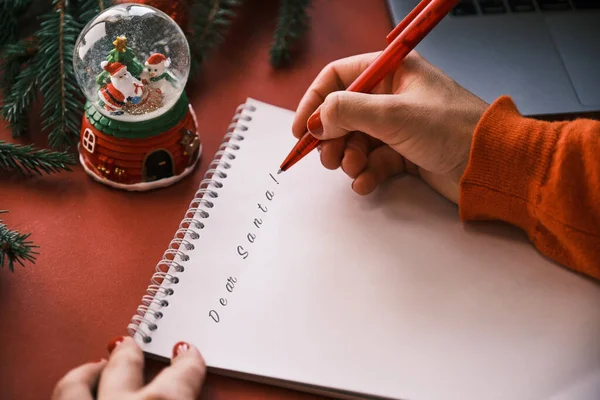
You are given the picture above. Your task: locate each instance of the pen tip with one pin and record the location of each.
(280, 171)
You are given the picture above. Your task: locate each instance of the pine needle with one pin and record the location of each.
(19, 83)
(28, 160)
(292, 23)
(10, 12)
(15, 53)
(15, 247)
(212, 19)
(63, 102)
(88, 9)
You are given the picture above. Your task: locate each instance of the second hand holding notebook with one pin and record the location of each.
(295, 280)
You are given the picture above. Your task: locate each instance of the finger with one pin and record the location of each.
(79, 383)
(124, 370)
(384, 162)
(373, 142)
(355, 154)
(332, 152)
(378, 115)
(337, 75)
(183, 379)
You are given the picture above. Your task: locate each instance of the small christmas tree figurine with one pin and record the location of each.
(138, 131)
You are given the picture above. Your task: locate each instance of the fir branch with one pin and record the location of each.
(11, 58)
(44, 64)
(212, 18)
(63, 101)
(27, 159)
(15, 247)
(19, 83)
(85, 10)
(10, 12)
(292, 23)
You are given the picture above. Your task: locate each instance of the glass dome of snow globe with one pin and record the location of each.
(132, 62)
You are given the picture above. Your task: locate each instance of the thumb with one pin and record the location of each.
(343, 112)
(183, 379)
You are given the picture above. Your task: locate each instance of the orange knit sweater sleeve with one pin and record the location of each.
(543, 177)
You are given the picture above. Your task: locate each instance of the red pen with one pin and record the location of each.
(401, 41)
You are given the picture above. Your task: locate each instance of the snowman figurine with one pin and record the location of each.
(156, 75)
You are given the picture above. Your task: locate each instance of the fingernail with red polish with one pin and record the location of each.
(180, 347)
(114, 342)
(314, 124)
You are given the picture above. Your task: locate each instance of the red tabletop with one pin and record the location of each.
(99, 246)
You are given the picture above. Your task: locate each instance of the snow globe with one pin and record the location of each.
(138, 130)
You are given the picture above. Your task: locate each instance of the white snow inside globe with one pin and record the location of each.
(132, 62)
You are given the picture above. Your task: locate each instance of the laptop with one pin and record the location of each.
(545, 54)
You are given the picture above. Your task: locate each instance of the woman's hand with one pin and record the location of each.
(417, 120)
(121, 377)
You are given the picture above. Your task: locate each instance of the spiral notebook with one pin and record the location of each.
(296, 281)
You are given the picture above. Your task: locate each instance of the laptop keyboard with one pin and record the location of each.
(521, 5)
(478, 7)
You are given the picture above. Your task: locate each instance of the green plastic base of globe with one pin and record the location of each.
(140, 129)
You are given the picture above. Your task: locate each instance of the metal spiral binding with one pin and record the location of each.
(172, 264)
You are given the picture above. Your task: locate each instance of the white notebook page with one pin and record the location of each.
(388, 295)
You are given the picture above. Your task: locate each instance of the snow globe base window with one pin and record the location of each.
(132, 63)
